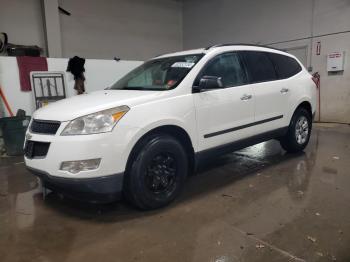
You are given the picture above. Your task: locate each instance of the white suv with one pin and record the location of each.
(143, 135)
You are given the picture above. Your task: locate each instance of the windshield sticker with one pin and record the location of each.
(191, 59)
(183, 64)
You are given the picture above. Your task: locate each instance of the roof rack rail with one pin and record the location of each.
(236, 44)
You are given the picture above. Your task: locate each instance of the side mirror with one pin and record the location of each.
(209, 82)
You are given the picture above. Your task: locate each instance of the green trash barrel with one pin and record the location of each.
(13, 133)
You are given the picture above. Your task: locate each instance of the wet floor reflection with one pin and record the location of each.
(258, 204)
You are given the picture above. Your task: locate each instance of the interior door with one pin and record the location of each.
(271, 94)
(223, 115)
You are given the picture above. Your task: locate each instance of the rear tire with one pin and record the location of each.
(299, 131)
(157, 172)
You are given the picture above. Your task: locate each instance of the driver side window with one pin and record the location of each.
(227, 66)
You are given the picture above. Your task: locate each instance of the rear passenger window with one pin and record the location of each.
(285, 66)
(227, 66)
(259, 66)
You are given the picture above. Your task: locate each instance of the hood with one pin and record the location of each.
(73, 107)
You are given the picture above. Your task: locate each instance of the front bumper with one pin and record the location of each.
(99, 189)
(102, 184)
(112, 148)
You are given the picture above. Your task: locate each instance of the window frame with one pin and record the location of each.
(200, 74)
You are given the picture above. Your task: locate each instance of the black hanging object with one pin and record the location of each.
(76, 66)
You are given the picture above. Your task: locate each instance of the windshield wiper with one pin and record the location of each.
(132, 88)
(141, 88)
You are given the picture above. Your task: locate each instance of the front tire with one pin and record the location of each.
(299, 131)
(157, 172)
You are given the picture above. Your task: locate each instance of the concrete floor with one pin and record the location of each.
(258, 204)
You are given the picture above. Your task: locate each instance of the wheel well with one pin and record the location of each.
(307, 106)
(175, 131)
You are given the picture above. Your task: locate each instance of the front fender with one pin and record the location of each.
(140, 132)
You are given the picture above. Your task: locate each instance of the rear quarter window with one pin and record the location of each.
(285, 66)
(260, 67)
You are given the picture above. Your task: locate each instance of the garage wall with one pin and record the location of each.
(208, 22)
(139, 29)
(130, 29)
(335, 88)
(136, 29)
(223, 21)
(22, 21)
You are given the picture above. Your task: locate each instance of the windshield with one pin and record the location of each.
(158, 74)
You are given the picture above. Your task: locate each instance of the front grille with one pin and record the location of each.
(45, 127)
(34, 149)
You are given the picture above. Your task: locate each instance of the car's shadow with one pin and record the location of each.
(215, 174)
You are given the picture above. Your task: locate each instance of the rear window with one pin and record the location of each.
(260, 67)
(285, 66)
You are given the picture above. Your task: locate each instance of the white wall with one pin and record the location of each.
(99, 75)
(208, 22)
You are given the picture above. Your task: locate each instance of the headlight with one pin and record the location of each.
(100, 122)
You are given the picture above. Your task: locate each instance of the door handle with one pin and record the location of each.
(246, 97)
(284, 90)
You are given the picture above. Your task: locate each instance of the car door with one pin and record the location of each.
(271, 94)
(223, 115)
